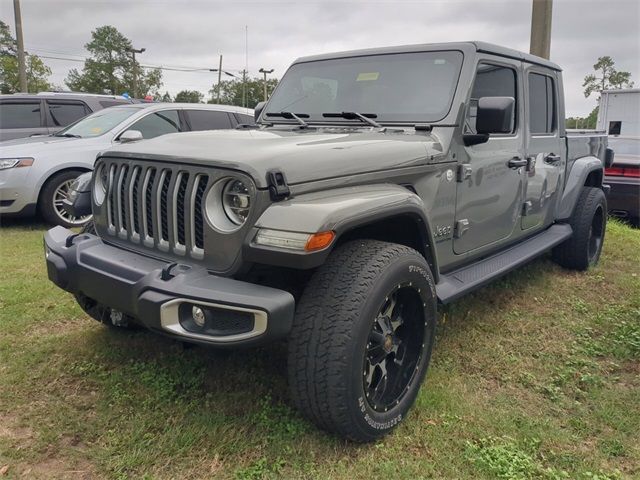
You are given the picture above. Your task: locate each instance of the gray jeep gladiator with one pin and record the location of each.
(375, 185)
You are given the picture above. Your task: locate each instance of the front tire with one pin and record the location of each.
(589, 221)
(53, 193)
(362, 339)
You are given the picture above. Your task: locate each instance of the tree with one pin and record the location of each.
(111, 66)
(588, 122)
(231, 91)
(608, 77)
(37, 72)
(189, 96)
(164, 98)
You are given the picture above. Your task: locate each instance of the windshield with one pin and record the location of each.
(97, 123)
(403, 88)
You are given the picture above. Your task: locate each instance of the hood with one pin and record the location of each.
(36, 146)
(303, 155)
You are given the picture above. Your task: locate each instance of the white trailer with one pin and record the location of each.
(619, 112)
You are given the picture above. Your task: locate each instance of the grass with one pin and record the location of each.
(534, 377)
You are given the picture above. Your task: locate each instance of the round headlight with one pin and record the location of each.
(236, 201)
(101, 180)
(228, 204)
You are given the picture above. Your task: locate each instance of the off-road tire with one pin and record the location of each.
(332, 327)
(46, 198)
(589, 221)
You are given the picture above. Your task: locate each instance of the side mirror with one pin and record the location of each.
(130, 136)
(608, 157)
(258, 110)
(495, 115)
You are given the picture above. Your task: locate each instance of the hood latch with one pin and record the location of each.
(278, 188)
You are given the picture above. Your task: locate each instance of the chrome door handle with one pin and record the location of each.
(517, 162)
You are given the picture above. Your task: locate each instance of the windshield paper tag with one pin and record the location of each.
(367, 77)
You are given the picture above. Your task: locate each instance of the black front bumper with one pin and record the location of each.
(152, 292)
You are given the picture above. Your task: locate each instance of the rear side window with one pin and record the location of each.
(20, 115)
(542, 105)
(158, 123)
(65, 113)
(208, 120)
(491, 81)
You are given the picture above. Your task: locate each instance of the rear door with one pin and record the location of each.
(489, 193)
(21, 118)
(546, 161)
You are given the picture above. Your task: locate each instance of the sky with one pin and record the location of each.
(191, 34)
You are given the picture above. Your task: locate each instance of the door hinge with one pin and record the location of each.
(278, 188)
(526, 208)
(464, 172)
(461, 228)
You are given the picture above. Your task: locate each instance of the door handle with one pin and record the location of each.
(552, 159)
(517, 162)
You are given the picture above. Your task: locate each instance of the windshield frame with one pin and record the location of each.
(265, 120)
(60, 133)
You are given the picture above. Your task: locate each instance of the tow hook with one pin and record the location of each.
(118, 319)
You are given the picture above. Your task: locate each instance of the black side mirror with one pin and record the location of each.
(608, 157)
(257, 110)
(495, 115)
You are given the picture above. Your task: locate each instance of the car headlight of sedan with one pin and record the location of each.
(6, 163)
(229, 203)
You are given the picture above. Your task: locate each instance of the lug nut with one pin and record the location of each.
(198, 316)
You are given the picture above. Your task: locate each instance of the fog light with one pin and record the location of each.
(198, 316)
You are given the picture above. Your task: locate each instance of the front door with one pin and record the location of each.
(490, 192)
(546, 160)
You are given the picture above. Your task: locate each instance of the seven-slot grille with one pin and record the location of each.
(159, 207)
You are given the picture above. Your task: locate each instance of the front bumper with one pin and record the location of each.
(159, 295)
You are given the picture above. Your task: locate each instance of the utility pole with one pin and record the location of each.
(135, 70)
(541, 14)
(22, 65)
(220, 72)
(219, 78)
(263, 71)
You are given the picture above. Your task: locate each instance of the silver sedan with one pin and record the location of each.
(36, 173)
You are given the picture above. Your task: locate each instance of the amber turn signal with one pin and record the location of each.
(319, 240)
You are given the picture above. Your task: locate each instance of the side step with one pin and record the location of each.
(459, 282)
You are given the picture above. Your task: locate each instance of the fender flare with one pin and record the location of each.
(576, 179)
(341, 210)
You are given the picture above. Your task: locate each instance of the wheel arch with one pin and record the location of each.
(585, 172)
(386, 212)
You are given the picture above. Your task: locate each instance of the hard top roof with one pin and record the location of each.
(483, 47)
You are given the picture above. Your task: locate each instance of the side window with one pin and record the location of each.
(158, 123)
(542, 105)
(208, 120)
(491, 81)
(65, 113)
(20, 115)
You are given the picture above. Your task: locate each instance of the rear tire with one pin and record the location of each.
(362, 339)
(589, 221)
(50, 202)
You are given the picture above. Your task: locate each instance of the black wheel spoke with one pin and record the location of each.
(394, 348)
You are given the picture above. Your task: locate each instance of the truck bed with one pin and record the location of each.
(583, 143)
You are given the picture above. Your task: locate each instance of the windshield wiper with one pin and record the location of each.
(67, 135)
(291, 115)
(363, 117)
